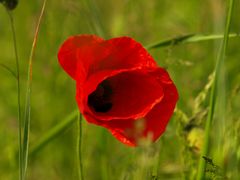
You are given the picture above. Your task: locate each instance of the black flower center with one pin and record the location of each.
(100, 99)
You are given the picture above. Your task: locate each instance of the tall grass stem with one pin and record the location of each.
(27, 116)
(17, 75)
(93, 13)
(54, 132)
(218, 67)
(9, 70)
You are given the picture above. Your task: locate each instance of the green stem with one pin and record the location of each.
(27, 116)
(79, 147)
(156, 167)
(17, 75)
(92, 13)
(54, 132)
(9, 70)
(189, 38)
(219, 63)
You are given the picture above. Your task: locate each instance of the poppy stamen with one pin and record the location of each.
(100, 99)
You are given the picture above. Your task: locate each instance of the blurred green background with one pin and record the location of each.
(176, 153)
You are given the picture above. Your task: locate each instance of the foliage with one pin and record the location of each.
(176, 154)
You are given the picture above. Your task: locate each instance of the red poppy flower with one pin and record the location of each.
(119, 86)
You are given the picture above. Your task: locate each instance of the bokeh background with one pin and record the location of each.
(175, 155)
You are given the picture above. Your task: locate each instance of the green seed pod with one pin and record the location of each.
(195, 139)
(10, 4)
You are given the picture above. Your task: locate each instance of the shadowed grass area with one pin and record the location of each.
(196, 28)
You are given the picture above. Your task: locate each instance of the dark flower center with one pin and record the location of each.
(100, 99)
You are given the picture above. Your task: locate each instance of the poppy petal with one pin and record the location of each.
(67, 52)
(154, 123)
(114, 54)
(115, 96)
(161, 112)
(124, 53)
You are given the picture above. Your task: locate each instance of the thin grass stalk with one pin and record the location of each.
(94, 15)
(104, 174)
(54, 132)
(17, 75)
(27, 116)
(79, 147)
(219, 63)
(156, 167)
(9, 70)
(188, 38)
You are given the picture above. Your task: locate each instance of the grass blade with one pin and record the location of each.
(27, 116)
(9, 70)
(92, 13)
(219, 63)
(189, 38)
(17, 76)
(54, 132)
(170, 42)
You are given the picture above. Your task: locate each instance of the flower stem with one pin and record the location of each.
(219, 64)
(17, 75)
(27, 117)
(79, 147)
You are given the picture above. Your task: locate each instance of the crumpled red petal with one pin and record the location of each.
(67, 54)
(99, 61)
(154, 123)
(133, 95)
(114, 54)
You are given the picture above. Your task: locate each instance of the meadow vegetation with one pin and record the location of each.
(195, 30)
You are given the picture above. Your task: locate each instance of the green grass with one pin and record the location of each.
(213, 95)
(27, 115)
(192, 33)
(17, 76)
